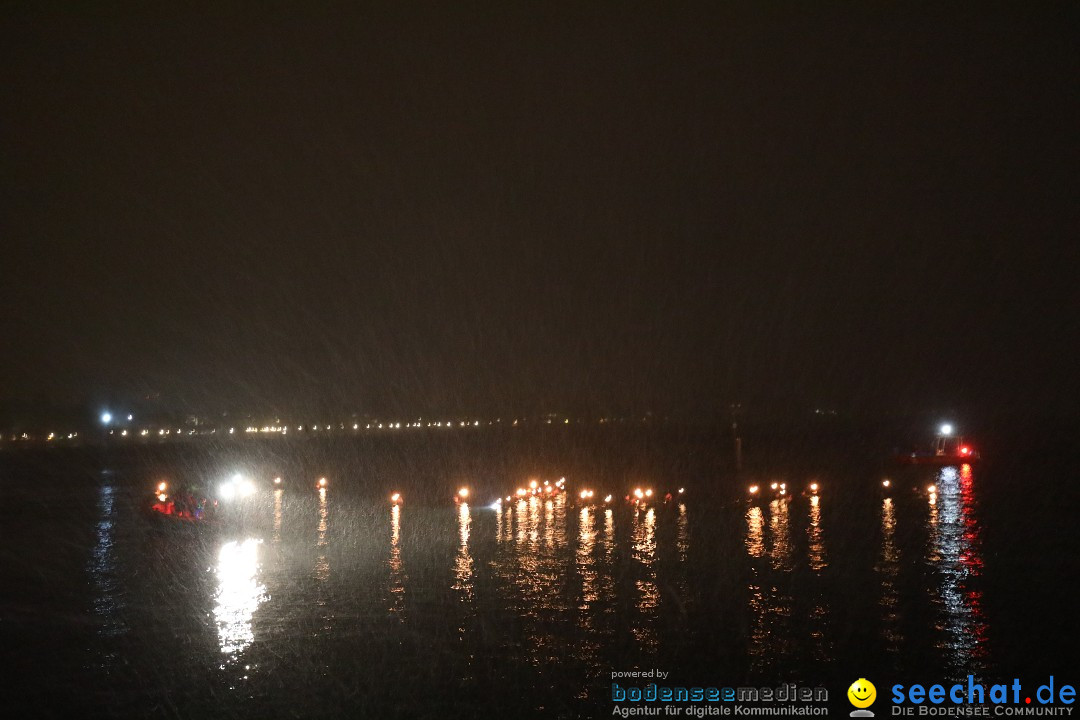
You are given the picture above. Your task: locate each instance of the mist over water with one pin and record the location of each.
(315, 602)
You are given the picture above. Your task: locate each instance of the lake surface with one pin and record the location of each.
(315, 603)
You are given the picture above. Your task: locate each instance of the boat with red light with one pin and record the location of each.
(948, 448)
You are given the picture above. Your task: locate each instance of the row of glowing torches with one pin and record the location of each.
(240, 487)
(780, 489)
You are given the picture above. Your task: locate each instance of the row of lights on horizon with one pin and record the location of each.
(108, 419)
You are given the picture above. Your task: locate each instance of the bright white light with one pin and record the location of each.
(239, 594)
(607, 499)
(885, 483)
(946, 429)
(753, 489)
(463, 492)
(106, 418)
(226, 491)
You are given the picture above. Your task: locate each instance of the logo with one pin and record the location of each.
(862, 694)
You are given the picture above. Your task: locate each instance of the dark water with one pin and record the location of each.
(333, 603)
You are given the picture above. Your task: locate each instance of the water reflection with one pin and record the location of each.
(755, 532)
(322, 564)
(821, 645)
(815, 537)
(463, 562)
(278, 493)
(769, 605)
(585, 561)
(321, 572)
(780, 551)
(682, 534)
(531, 569)
(888, 567)
(954, 552)
(586, 567)
(397, 573)
(644, 552)
(108, 602)
(239, 594)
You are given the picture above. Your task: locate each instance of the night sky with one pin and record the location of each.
(519, 207)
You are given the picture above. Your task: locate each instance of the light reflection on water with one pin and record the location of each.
(108, 598)
(954, 552)
(815, 537)
(463, 562)
(278, 514)
(547, 580)
(239, 594)
(888, 568)
(586, 568)
(321, 571)
(821, 642)
(397, 572)
(322, 563)
(644, 552)
(778, 617)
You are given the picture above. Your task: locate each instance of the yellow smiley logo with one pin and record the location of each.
(862, 693)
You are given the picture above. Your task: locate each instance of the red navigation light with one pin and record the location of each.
(965, 450)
